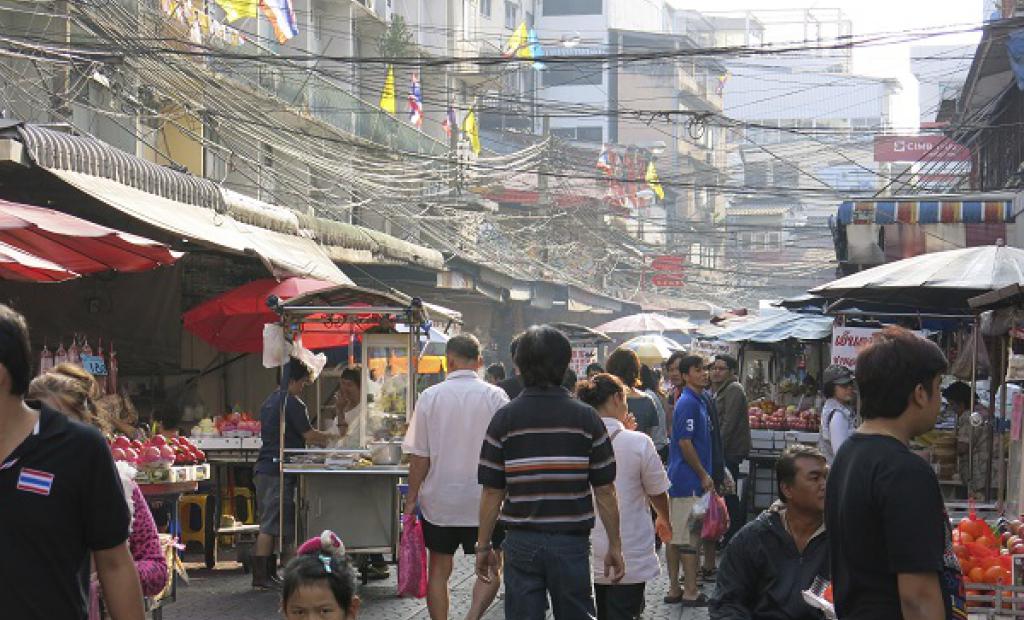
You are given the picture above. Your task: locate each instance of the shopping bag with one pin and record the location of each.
(412, 559)
(716, 520)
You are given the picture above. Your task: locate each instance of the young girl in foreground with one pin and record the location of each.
(319, 583)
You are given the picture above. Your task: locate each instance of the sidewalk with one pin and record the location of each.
(224, 594)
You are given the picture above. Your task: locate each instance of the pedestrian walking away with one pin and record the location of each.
(888, 530)
(545, 463)
(448, 428)
(640, 482)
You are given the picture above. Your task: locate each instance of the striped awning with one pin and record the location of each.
(926, 210)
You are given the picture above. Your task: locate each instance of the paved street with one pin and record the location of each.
(224, 594)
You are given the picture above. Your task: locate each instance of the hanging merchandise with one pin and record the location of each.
(112, 371)
(45, 360)
(74, 355)
(61, 356)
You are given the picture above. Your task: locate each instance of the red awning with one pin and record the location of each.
(233, 322)
(21, 266)
(76, 244)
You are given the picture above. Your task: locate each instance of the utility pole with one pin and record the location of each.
(60, 106)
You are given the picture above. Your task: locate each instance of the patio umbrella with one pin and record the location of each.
(22, 266)
(645, 322)
(233, 322)
(652, 348)
(76, 244)
(940, 280)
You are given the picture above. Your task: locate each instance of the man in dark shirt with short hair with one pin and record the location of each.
(61, 504)
(888, 531)
(542, 455)
(512, 385)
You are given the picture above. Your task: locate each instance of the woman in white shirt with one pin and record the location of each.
(837, 418)
(640, 482)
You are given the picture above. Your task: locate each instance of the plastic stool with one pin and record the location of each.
(192, 517)
(242, 506)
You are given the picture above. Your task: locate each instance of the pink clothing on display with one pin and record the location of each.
(144, 543)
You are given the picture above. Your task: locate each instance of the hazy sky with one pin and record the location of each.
(878, 16)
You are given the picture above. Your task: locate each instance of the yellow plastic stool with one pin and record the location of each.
(192, 516)
(242, 506)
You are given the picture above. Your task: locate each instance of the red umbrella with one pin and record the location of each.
(233, 322)
(78, 245)
(23, 266)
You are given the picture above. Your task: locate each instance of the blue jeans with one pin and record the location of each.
(539, 564)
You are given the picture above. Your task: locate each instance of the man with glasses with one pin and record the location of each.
(731, 403)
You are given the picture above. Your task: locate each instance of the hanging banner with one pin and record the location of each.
(711, 348)
(848, 341)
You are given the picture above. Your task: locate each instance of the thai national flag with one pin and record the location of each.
(415, 103)
(450, 123)
(35, 481)
(604, 161)
(281, 16)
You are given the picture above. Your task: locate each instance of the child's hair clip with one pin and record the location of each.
(327, 547)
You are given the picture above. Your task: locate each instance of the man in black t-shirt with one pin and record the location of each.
(884, 510)
(61, 502)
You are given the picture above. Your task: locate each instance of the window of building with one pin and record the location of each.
(571, 74)
(511, 15)
(485, 8)
(572, 7)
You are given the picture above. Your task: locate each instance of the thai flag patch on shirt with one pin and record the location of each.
(35, 481)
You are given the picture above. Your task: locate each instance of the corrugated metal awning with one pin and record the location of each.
(976, 209)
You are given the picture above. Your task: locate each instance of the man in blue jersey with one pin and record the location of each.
(689, 470)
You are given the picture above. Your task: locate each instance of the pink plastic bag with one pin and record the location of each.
(716, 520)
(412, 559)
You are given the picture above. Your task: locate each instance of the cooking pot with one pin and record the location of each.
(385, 452)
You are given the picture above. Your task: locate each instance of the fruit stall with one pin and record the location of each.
(355, 491)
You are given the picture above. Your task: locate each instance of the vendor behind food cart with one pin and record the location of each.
(298, 432)
(347, 421)
(972, 434)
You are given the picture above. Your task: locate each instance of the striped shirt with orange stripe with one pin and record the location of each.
(548, 450)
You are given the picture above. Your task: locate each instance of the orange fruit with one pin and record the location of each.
(976, 575)
(986, 540)
(994, 574)
(966, 538)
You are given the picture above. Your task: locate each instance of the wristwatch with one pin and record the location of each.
(482, 548)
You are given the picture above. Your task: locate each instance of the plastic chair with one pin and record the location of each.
(193, 518)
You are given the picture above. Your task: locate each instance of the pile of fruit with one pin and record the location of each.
(231, 424)
(157, 452)
(765, 414)
(985, 555)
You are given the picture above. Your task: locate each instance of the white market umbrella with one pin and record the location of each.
(652, 348)
(937, 280)
(646, 322)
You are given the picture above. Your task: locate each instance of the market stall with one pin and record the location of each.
(355, 490)
(588, 345)
(781, 356)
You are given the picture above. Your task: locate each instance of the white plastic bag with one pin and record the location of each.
(701, 507)
(275, 346)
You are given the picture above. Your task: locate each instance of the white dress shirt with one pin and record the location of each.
(448, 427)
(638, 475)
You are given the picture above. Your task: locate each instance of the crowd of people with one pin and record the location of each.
(563, 495)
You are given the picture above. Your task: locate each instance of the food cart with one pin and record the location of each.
(355, 491)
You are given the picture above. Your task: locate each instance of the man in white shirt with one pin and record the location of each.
(444, 439)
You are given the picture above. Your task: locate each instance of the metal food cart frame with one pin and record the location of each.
(336, 307)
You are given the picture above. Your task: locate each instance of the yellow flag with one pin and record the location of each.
(652, 181)
(517, 44)
(387, 96)
(472, 130)
(238, 9)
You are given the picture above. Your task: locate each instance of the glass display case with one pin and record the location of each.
(385, 409)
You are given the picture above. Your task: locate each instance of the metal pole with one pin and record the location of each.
(280, 461)
(1003, 468)
(970, 409)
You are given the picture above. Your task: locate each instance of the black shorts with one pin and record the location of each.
(447, 540)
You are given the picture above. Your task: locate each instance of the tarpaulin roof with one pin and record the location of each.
(971, 209)
(940, 280)
(779, 326)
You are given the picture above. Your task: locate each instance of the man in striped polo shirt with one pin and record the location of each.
(542, 455)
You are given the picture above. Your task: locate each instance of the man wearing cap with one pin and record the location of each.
(838, 420)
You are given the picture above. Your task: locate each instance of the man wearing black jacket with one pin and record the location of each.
(774, 558)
